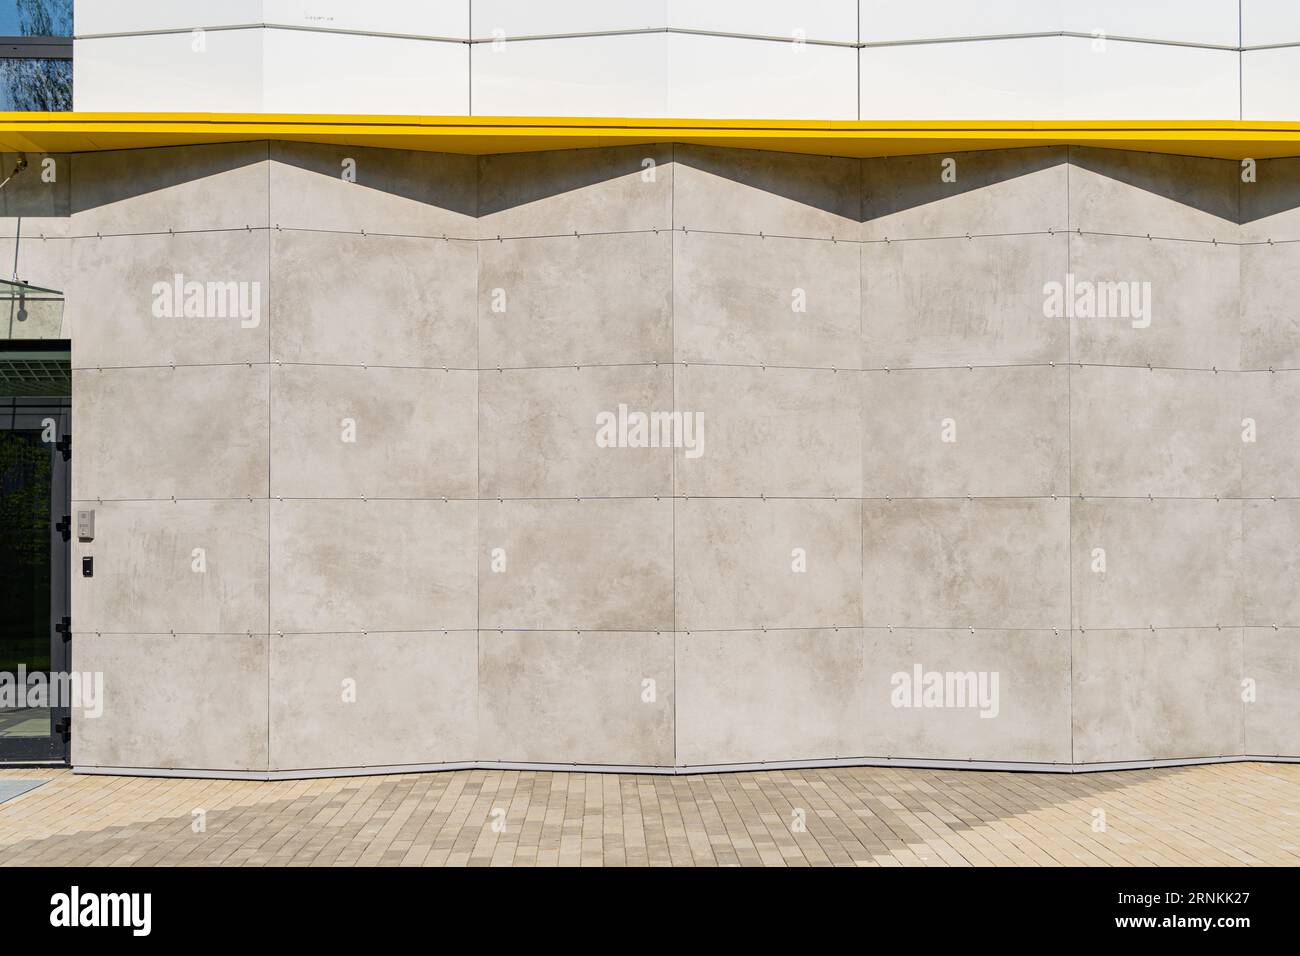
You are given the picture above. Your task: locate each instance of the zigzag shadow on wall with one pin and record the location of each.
(1207, 185)
(29, 191)
(102, 178)
(479, 186)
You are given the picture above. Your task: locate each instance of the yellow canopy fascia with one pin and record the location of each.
(85, 132)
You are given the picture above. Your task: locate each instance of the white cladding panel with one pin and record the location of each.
(741, 59)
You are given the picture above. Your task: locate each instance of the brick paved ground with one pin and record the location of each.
(1227, 814)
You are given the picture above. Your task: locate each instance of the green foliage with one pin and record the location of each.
(25, 473)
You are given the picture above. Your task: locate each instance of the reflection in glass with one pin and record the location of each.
(25, 567)
(36, 18)
(41, 85)
(35, 59)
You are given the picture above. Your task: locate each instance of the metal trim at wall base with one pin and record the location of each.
(988, 765)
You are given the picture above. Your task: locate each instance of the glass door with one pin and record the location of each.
(35, 531)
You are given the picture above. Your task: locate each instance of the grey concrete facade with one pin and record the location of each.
(906, 463)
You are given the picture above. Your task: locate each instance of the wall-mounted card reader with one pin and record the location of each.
(87, 567)
(86, 525)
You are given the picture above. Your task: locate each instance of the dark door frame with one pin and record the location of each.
(30, 414)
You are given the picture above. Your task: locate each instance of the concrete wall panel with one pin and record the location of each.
(31, 204)
(182, 188)
(1163, 695)
(1019, 712)
(958, 432)
(993, 192)
(987, 563)
(1167, 432)
(1270, 285)
(348, 566)
(769, 431)
(1269, 207)
(1182, 309)
(1268, 434)
(381, 433)
(1141, 194)
(766, 301)
(581, 571)
(187, 432)
(752, 191)
(1272, 660)
(415, 306)
(594, 300)
(749, 696)
(561, 697)
(175, 702)
(192, 298)
(1270, 562)
(591, 565)
(1168, 563)
(953, 302)
(540, 434)
(560, 192)
(747, 563)
(396, 191)
(194, 567)
(410, 699)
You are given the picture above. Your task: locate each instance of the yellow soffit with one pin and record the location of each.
(84, 132)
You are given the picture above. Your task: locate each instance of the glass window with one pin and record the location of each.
(35, 18)
(44, 85)
(35, 55)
